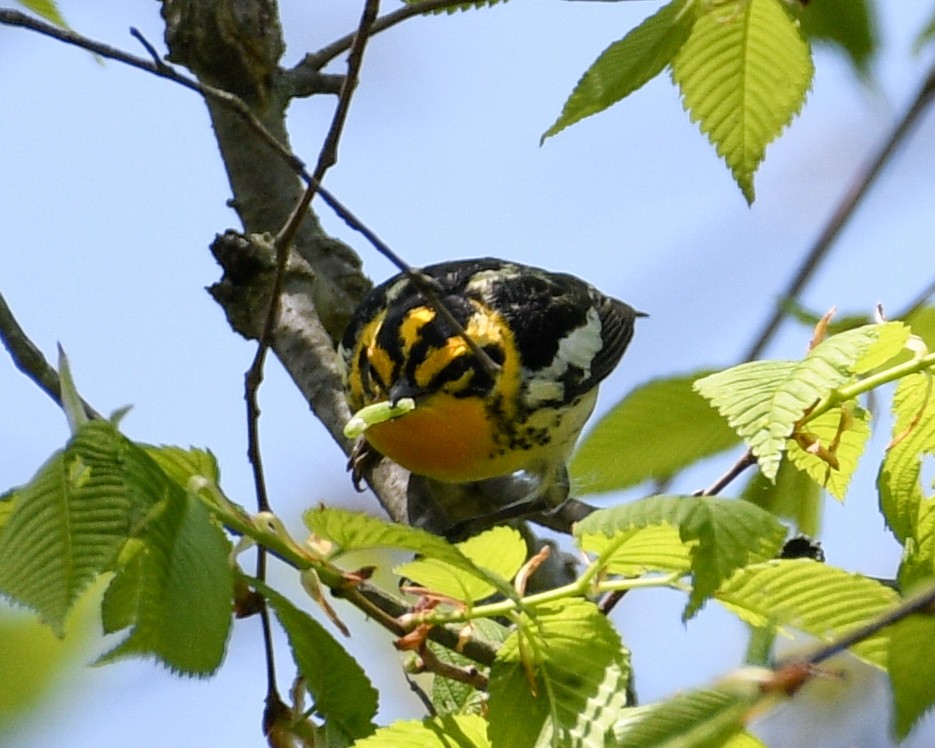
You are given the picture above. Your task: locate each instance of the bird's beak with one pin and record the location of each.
(404, 388)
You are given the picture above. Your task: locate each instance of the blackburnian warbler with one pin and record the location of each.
(550, 338)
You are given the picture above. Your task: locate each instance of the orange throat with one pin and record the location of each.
(446, 438)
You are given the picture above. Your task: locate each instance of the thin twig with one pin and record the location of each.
(844, 212)
(919, 603)
(747, 459)
(323, 56)
(421, 281)
(161, 69)
(254, 376)
(29, 359)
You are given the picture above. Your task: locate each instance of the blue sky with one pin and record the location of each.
(112, 189)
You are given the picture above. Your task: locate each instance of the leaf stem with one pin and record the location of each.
(852, 391)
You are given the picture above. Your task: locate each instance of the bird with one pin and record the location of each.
(501, 361)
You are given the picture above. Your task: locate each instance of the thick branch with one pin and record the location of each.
(236, 45)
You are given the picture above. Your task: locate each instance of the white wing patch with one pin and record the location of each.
(578, 348)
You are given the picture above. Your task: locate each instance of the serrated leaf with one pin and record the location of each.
(890, 342)
(922, 322)
(69, 522)
(187, 467)
(351, 531)
(500, 550)
(628, 64)
(344, 697)
(725, 535)
(655, 431)
(639, 551)
(792, 495)
(705, 718)
(743, 74)
(176, 588)
(450, 731)
(7, 502)
(763, 400)
(846, 430)
(576, 689)
(848, 25)
(48, 9)
(918, 562)
(912, 673)
(812, 597)
(899, 484)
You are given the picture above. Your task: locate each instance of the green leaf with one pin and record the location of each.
(560, 679)
(352, 531)
(344, 697)
(175, 588)
(743, 74)
(792, 495)
(922, 322)
(500, 550)
(850, 425)
(912, 673)
(48, 9)
(763, 400)
(7, 502)
(628, 64)
(451, 731)
(848, 25)
(68, 524)
(33, 660)
(655, 431)
(189, 468)
(638, 551)
(812, 597)
(901, 492)
(918, 562)
(705, 718)
(725, 535)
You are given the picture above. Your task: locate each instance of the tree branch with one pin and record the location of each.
(317, 60)
(29, 359)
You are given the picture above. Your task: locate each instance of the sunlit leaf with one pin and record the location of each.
(175, 588)
(628, 64)
(344, 697)
(846, 430)
(725, 534)
(641, 550)
(500, 550)
(912, 673)
(899, 483)
(706, 718)
(68, 524)
(546, 688)
(655, 431)
(743, 74)
(48, 9)
(763, 400)
(450, 731)
(811, 597)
